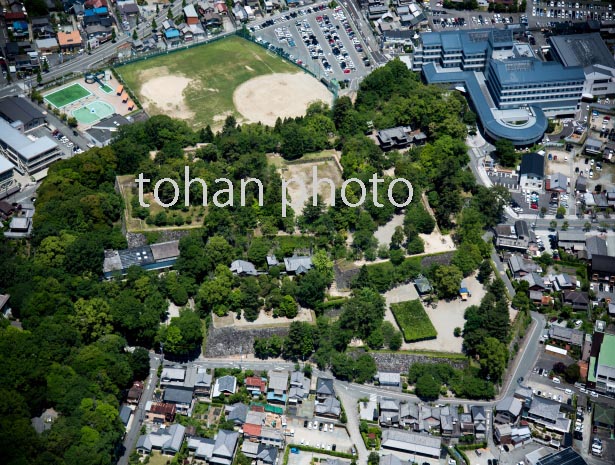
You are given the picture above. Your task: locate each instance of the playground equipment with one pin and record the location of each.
(91, 78)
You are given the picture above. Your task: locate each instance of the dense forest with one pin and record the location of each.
(70, 353)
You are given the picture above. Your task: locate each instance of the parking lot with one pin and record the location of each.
(567, 10)
(321, 40)
(318, 438)
(67, 147)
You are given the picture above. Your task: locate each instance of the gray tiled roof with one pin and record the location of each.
(324, 386)
(177, 395)
(226, 442)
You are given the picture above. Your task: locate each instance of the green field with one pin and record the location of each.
(61, 98)
(219, 68)
(413, 321)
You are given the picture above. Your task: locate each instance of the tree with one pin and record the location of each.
(447, 280)
(457, 332)
(113, 35)
(154, 25)
(484, 272)
(323, 264)
(398, 238)
(373, 458)
(552, 225)
(288, 307)
(572, 373)
(565, 225)
(92, 318)
(505, 151)
(587, 226)
(396, 341)
(363, 312)
(493, 358)
(427, 387)
(135, 36)
(39, 78)
(139, 362)
(311, 289)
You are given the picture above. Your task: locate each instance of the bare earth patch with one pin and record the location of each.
(264, 320)
(445, 317)
(165, 94)
(267, 97)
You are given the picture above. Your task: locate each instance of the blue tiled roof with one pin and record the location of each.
(171, 33)
(431, 38)
(518, 135)
(528, 71)
(451, 41)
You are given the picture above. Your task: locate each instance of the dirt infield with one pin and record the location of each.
(267, 97)
(164, 94)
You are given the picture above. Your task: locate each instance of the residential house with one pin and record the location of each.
(566, 335)
(277, 390)
(536, 282)
(180, 396)
(602, 268)
(532, 172)
(298, 264)
(524, 394)
(389, 412)
(329, 407)
(507, 410)
(389, 379)
(546, 412)
(299, 387)
(211, 20)
(48, 45)
(191, 15)
(166, 440)
(557, 182)
(256, 385)
(514, 435)
(172, 376)
(520, 266)
(571, 240)
(581, 184)
(324, 388)
(172, 37)
(262, 454)
(595, 245)
(237, 413)
(134, 393)
(243, 268)
(70, 41)
(562, 282)
(217, 451)
(466, 425)
(516, 238)
(221, 7)
(225, 385)
(593, 146)
(271, 436)
(399, 137)
(160, 412)
(566, 456)
(4, 303)
(579, 301)
(449, 422)
(42, 28)
(410, 416)
(125, 413)
(480, 421)
(202, 383)
(128, 9)
(411, 443)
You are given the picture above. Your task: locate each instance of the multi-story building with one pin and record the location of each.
(511, 90)
(590, 52)
(29, 156)
(601, 374)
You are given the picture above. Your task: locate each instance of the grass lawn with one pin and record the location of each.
(158, 459)
(218, 68)
(63, 97)
(413, 321)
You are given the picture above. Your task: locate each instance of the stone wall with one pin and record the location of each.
(224, 342)
(400, 362)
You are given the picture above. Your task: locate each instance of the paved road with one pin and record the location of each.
(365, 30)
(139, 413)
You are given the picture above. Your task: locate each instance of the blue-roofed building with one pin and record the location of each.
(510, 89)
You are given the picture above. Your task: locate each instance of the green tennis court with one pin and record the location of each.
(61, 98)
(93, 112)
(106, 89)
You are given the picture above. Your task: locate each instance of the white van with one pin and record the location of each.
(556, 381)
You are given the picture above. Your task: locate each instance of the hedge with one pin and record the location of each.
(480, 445)
(413, 321)
(334, 453)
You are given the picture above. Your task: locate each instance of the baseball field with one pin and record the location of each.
(205, 84)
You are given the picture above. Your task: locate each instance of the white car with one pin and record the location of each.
(593, 394)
